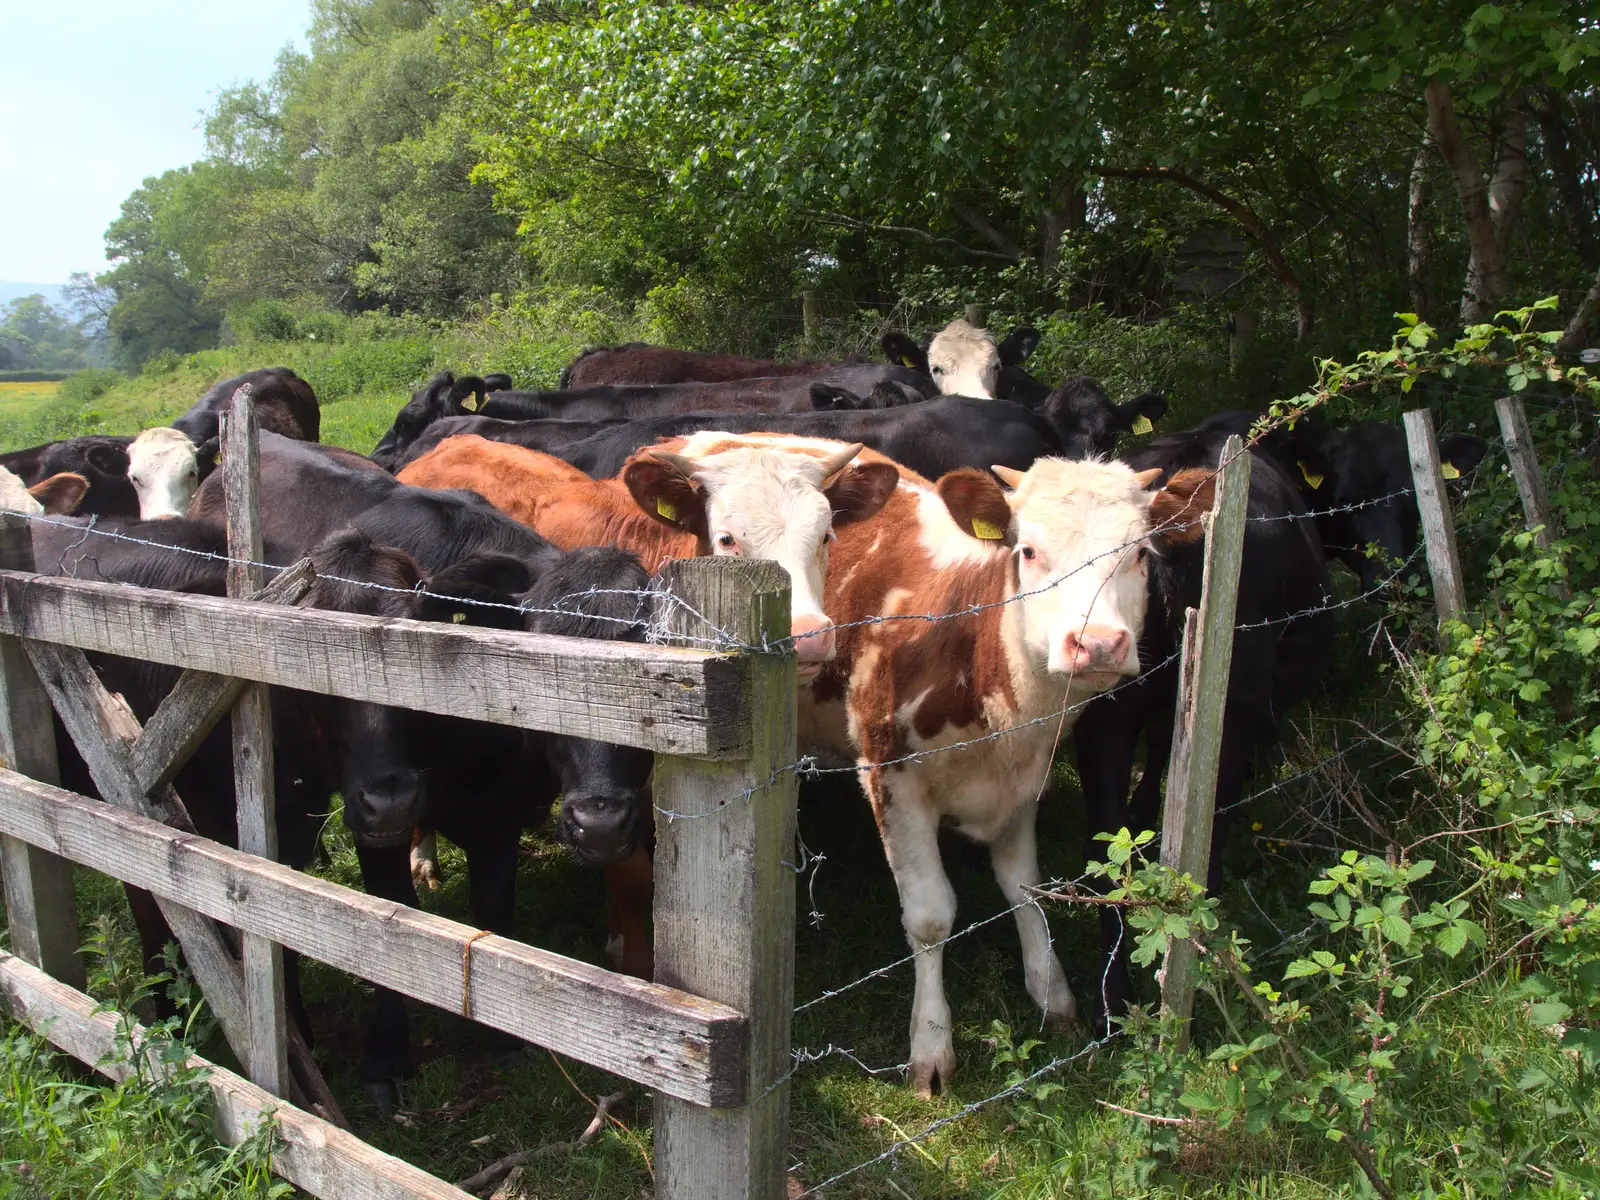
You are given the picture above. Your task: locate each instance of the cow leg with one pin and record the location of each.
(425, 860)
(1015, 857)
(386, 1055)
(492, 890)
(631, 885)
(928, 911)
(1105, 739)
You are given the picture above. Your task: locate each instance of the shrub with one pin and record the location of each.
(85, 386)
(263, 321)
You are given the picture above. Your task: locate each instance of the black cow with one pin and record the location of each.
(102, 460)
(1278, 655)
(1357, 481)
(641, 362)
(931, 438)
(284, 402)
(549, 436)
(441, 397)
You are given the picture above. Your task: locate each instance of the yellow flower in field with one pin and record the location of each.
(1257, 826)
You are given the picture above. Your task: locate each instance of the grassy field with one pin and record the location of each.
(466, 1108)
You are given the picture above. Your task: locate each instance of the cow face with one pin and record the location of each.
(1363, 474)
(964, 361)
(164, 468)
(1086, 421)
(776, 504)
(1080, 535)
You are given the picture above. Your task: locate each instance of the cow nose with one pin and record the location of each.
(601, 828)
(1096, 648)
(813, 638)
(384, 808)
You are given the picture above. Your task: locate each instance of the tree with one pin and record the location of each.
(35, 335)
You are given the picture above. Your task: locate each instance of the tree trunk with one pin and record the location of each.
(1572, 336)
(1565, 171)
(1419, 230)
(1071, 212)
(1248, 220)
(1489, 207)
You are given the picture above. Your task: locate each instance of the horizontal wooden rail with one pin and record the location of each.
(312, 1154)
(666, 1039)
(668, 699)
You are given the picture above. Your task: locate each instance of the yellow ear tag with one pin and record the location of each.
(217, 461)
(1449, 471)
(469, 402)
(987, 531)
(1141, 424)
(1313, 479)
(907, 361)
(457, 618)
(667, 509)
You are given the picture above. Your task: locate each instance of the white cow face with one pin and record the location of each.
(1081, 536)
(165, 471)
(760, 502)
(964, 361)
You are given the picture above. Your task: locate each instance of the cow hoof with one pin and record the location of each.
(384, 1096)
(929, 1079)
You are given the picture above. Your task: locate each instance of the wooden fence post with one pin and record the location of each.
(1525, 467)
(1202, 701)
(724, 900)
(265, 1007)
(1438, 529)
(808, 316)
(41, 907)
(975, 315)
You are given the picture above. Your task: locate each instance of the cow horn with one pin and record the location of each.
(682, 465)
(1009, 476)
(833, 465)
(1148, 479)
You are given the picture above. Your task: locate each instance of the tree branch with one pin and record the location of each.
(931, 239)
(1578, 327)
(1240, 212)
(985, 230)
(1485, 282)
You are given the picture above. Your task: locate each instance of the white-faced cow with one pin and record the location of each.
(164, 468)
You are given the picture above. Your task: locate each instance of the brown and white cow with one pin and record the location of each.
(1056, 571)
(709, 493)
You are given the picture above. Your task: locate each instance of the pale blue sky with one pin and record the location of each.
(95, 95)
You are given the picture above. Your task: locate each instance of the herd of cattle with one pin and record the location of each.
(945, 481)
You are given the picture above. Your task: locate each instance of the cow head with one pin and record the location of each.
(963, 360)
(59, 494)
(1080, 534)
(442, 396)
(1363, 474)
(164, 468)
(758, 501)
(1086, 421)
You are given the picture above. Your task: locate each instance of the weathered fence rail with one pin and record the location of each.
(715, 1047)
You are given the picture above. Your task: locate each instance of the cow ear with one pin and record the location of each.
(830, 397)
(1463, 451)
(977, 506)
(1142, 412)
(60, 493)
(208, 457)
(663, 491)
(108, 458)
(1177, 510)
(859, 492)
(466, 592)
(1019, 346)
(902, 351)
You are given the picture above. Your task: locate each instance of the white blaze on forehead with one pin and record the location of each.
(964, 361)
(164, 471)
(1085, 521)
(14, 496)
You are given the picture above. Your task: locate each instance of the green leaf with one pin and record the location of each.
(1549, 1012)
(1396, 928)
(1199, 1102)
(1452, 940)
(1300, 968)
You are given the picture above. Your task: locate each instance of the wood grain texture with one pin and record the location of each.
(41, 907)
(1438, 528)
(318, 1157)
(1202, 702)
(724, 901)
(266, 1012)
(191, 710)
(654, 1035)
(1524, 458)
(661, 698)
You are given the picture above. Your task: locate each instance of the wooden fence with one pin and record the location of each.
(711, 1036)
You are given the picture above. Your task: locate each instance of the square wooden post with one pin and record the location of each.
(724, 900)
(1438, 529)
(1202, 705)
(41, 907)
(265, 1005)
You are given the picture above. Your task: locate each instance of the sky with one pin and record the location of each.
(96, 95)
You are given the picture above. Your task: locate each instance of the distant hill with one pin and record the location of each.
(15, 291)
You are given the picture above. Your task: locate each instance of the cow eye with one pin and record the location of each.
(1143, 551)
(1028, 554)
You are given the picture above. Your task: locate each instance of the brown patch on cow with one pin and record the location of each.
(1177, 511)
(977, 505)
(60, 493)
(551, 496)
